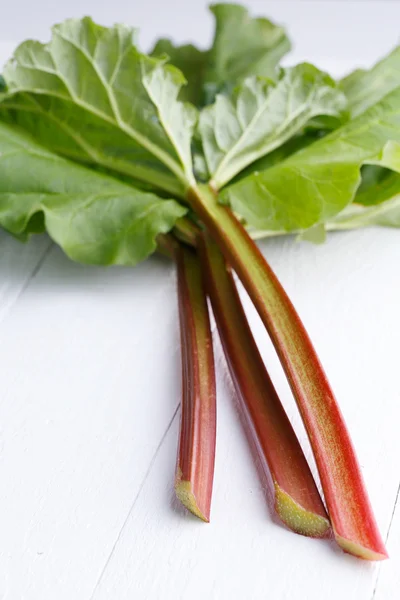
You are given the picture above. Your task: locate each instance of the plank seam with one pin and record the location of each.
(28, 280)
(386, 541)
(150, 467)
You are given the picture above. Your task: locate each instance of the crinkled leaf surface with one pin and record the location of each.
(242, 46)
(191, 61)
(380, 178)
(316, 183)
(94, 218)
(296, 143)
(365, 87)
(354, 216)
(261, 116)
(378, 184)
(90, 95)
(386, 214)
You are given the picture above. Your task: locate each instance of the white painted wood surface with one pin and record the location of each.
(88, 427)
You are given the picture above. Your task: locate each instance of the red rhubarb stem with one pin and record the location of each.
(348, 504)
(196, 451)
(186, 231)
(297, 500)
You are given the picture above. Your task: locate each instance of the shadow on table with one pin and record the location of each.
(54, 268)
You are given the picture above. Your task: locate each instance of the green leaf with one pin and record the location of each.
(378, 184)
(386, 214)
(90, 95)
(261, 116)
(95, 219)
(315, 235)
(354, 216)
(296, 143)
(191, 61)
(364, 88)
(242, 47)
(316, 183)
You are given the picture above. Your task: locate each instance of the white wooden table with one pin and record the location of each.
(90, 387)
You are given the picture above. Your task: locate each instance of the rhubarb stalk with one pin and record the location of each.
(297, 500)
(348, 504)
(196, 451)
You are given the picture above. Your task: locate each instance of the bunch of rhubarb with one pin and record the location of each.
(117, 154)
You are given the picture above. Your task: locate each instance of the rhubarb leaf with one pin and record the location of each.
(242, 46)
(95, 219)
(294, 144)
(386, 214)
(315, 235)
(316, 183)
(90, 95)
(260, 116)
(378, 184)
(365, 87)
(191, 62)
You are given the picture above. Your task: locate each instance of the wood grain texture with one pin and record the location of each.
(90, 380)
(388, 578)
(18, 264)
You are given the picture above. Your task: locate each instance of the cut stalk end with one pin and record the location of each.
(298, 502)
(184, 493)
(360, 551)
(297, 518)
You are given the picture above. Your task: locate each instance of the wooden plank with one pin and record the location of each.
(18, 264)
(90, 380)
(388, 579)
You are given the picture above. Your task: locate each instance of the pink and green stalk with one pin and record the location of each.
(347, 500)
(196, 451)
(297, 500)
